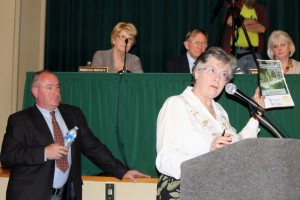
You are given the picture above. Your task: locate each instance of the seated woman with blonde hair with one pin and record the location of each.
(281, 47)
(123, 36)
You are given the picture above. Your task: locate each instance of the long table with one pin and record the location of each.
(122, 110)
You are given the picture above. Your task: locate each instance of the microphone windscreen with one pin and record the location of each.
(230, 88)
(126, 40)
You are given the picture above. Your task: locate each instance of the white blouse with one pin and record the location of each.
(186, 129)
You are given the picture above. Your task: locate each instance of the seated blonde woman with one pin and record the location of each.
(123, 36)
(281, 47)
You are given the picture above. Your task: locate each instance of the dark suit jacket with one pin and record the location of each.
(26, 136)
(178, 65)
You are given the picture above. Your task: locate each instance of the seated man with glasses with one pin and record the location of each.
(123, 37)
(195, 43)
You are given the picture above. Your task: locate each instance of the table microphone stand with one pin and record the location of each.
(124, 70)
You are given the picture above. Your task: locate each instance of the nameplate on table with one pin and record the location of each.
(253, 71)
(92, 69)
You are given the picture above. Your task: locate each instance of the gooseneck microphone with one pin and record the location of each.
(124, 70)
(232, 90)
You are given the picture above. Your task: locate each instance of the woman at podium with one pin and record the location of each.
(123, 38)
(192, 123)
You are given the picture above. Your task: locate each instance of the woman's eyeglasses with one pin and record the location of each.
(281, 45)
(123, 38)
(224, 76)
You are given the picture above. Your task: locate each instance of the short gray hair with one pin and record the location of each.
(219, 54)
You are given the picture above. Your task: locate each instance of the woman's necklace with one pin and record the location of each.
(119, 63)
(211, 110)
(289, 65)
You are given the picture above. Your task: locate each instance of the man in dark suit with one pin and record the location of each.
(196, 42)
(30, 152)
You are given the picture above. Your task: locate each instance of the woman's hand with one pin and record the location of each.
(259, 99)
(220, 141)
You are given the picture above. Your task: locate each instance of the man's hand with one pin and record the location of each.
(132, 174)
(55, 151)
(250, 25)
(254, 26)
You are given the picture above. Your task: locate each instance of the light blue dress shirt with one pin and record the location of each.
(60, 178)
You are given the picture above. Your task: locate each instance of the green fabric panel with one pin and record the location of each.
(125, 119)
(140, 101)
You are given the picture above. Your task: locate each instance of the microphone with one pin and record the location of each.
(232, 90)
(124, 70)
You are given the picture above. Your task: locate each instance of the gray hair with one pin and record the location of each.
(279, 34)
(195, 32)
(219, 54)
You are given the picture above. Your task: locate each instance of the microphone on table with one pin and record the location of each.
(232, 90)
(124, 70)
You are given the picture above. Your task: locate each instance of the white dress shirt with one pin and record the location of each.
(191, 61)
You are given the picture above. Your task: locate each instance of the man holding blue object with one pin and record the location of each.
(41, 166)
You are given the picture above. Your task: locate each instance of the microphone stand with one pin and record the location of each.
(124, 70)
(121, 72)
(253, 112)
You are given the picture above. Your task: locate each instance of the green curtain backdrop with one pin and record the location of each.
(122, 110)
(75, 29)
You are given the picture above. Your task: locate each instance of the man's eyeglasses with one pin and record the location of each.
(281, 45)
(224, 76)
(198, 43)
(123, 38)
